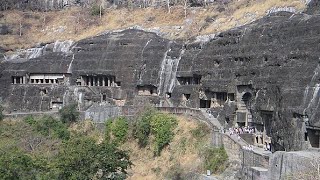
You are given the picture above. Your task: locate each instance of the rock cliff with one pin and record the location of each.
(265, 74)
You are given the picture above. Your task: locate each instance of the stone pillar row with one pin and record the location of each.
(97, 81)
(22, 79)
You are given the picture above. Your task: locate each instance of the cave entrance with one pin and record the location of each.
(186, 96)
(221, 98)
(314, 136)
(246, 98)
(205, 103)
(147, 90)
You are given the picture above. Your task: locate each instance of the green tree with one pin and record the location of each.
(30, 120)
(159, 125)
(142, 127)
(97, 10)
(48, 126)
(69, 114)
(120, 129)
(215, 159)
(14, 164)
(162, 127)
(82, 158)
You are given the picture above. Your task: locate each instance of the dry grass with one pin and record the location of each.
(146, 166)
(77, 23)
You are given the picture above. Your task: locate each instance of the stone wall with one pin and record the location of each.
(300, 165)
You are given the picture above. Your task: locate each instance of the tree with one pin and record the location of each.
(83, 158)
(159, 125)
(48, 126)
(162, 126)
(185, 7)
(120, 129)
(14, 164)
(168, 5)
(142, 127)
(69, 114)
(116, 130)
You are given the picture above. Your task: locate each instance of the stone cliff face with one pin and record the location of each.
(265, 74)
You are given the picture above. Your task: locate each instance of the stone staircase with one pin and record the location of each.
(213, 120)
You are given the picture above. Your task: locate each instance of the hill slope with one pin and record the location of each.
(77, 23)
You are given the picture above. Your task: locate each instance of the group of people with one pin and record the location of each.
(241, 130)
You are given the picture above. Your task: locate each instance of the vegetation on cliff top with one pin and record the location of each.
(78, 23)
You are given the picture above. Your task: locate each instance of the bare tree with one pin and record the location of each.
(168, 5)
(185, 7)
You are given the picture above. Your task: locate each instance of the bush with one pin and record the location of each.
(162, 126)
(200, 132)
(120, 129)
(30, 120)
(142, 127)
(215, 159)
(175, 172)
(95, 10)
(48, 126)
(14, 164)
(82, 158)
(69, 114)
(116, 130)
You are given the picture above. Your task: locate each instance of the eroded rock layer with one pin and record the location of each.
(265, 74)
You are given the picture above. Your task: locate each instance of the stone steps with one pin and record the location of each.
(214, 121)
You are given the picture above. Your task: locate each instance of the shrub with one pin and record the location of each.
(120, 129)
(142, 127)
(95, 10)
(116, 130)
(69, 114)
(200, 132)
(30, 120)
(14, 164)
(215, 159)
(48, 126)
(82, 158)
(162, 126)
(175, 172)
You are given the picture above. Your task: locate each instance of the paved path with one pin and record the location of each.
(242, 143)
(214, 121)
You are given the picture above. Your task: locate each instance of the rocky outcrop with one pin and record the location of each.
(265, 74)
(313, 7)
(294, 165)
(41, 50)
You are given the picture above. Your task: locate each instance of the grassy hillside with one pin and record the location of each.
(51, 147)
(183, 155)
(79, 23)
